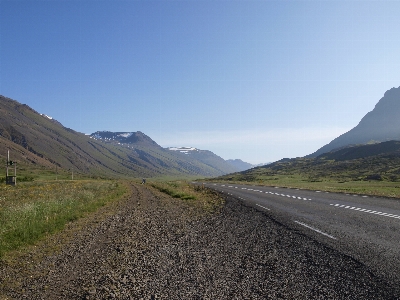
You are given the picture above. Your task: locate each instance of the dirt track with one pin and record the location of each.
(151, 246)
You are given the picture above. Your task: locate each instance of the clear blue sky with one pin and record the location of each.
(255, 80)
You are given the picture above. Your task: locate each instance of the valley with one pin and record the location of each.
(80, 224)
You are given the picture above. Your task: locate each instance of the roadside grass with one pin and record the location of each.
(374, 175)
(32, 210)
(205, 199)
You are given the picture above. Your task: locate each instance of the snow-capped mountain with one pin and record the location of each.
(123, 137)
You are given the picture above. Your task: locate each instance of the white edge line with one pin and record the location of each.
(316, 230)
(262, 206)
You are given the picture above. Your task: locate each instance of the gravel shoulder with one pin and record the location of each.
(151, 246)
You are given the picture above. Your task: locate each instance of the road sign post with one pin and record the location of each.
(11, 179)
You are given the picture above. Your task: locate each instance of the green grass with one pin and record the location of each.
(32, 210)
(175, 189)
(375, 176)
(304, 181)
(207, 200)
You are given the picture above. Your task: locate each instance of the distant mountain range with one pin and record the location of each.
(40, 141)
(236, 164)
(205, 156)
(240, 164)
(380, 125)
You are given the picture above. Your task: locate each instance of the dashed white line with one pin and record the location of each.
(268, 192)
(367, 211)
(316, 230)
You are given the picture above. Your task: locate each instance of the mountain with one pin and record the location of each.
(239, 164)
(379, 125)
(125, 137)
(38, 141)
(206, 157)
(384, 149)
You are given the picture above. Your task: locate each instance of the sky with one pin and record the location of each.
(251, 80)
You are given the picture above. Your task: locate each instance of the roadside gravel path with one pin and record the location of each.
(156, 247)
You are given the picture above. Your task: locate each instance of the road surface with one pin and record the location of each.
(362, 227)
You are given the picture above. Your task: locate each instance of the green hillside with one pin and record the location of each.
(370, 169)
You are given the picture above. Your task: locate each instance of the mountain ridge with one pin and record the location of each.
(379, 125)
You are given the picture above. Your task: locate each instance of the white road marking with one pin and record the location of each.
(262, 206)
(316, 230)
(367, 211)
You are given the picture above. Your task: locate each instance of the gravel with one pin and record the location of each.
(151, 246)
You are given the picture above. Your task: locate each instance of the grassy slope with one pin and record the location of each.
(374, 175)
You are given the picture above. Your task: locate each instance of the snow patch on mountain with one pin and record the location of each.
(185, 150)
(126, 134)
(46, 116)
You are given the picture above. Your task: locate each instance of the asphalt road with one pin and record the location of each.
(362, 227)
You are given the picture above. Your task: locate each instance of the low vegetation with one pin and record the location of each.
(32, 210)
(197, 196)
(378, 176)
